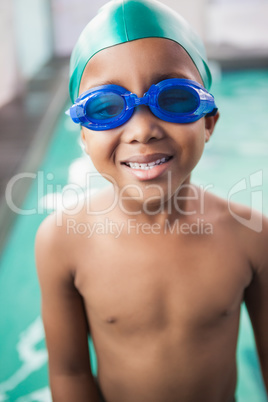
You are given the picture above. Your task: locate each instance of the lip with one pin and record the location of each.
(150, 174)
(146, 158)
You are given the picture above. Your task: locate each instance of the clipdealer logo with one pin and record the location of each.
(134, 227)
(254, 187)
(69, 199)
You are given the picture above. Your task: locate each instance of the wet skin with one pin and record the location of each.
(162, 307)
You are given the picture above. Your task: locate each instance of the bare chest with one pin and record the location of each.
(141, 286)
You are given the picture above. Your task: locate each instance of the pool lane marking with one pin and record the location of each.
(31, 358)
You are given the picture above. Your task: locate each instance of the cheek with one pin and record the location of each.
(192, 144)
(100, 146)
(195, 138)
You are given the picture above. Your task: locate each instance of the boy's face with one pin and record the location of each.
(136, 66)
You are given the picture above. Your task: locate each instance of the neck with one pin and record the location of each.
(180, 205)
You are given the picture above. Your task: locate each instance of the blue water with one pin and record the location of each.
(236, 151)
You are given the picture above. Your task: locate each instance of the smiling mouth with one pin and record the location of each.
(147, 166)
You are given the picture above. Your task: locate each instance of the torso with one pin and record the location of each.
(164, 309)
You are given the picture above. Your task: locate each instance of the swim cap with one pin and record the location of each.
(121, 21)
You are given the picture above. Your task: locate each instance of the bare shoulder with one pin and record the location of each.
(247, 226)
(61, 232)
(234, 213)
(51, 248)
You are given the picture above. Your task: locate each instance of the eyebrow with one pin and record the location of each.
(157, 78)
(107, 82)
(161, 77)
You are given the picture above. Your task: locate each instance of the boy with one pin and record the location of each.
(162, 305)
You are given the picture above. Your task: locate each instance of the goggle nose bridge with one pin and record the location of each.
(133, 100)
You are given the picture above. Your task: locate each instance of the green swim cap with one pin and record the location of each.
(121, 21)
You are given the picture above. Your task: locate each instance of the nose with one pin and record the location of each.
(142, 127)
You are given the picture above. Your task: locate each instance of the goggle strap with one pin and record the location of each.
(212, 113)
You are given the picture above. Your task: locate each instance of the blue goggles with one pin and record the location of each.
(174, 100)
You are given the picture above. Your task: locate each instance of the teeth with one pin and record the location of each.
(146, 166)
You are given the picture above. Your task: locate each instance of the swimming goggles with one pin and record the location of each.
(174, 100)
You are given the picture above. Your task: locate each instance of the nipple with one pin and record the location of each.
(111, 320)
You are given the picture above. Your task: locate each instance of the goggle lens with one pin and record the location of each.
(177, 100)
(105, 106)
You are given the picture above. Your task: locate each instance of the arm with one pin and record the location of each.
(64, 318)
(256, 298)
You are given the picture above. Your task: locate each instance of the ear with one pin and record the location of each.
(210, 122)
(83, 138)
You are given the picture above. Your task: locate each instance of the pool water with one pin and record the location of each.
(234, 159)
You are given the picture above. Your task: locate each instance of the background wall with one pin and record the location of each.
(33, 34)
(26, 43)
(240, 23)
(8, 62)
